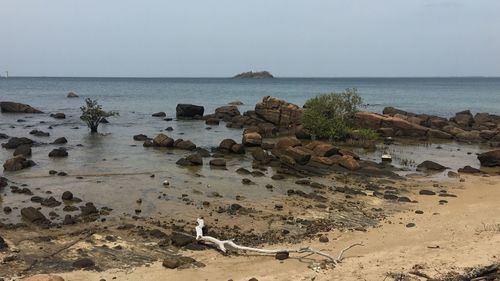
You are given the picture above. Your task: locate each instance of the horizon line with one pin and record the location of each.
(231, 77)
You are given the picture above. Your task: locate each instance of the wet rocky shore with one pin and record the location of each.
(274, 184)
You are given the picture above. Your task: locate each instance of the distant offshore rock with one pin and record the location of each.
(72, 95)
(255, 75)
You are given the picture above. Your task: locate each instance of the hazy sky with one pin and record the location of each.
(205, 38)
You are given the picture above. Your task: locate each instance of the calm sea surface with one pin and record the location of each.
(116, 169)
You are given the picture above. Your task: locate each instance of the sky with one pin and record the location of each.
(220, 38)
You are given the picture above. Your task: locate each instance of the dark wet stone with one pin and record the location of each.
(277, 177)
(156, 233)
(52, 172)
(83, 263)
(39, 133)
(390, 197)
(218, 163)
(7, 209)
(159, 114)
(50, 202)
(303, 182)
(173, 262)
(36, 199)
(24, 150)
(58, 115)
(410, 225)
(404, 199)
(426, 192)
(3, 244)
(32, 215)
(419, 212)
(323, 239)
(246, 181)
(88, 209)
(62, 174)
(15, 142)
(61, 140)
(58, 152)
(141, 137)
(67, 195)
(282, 255)
(68, 220)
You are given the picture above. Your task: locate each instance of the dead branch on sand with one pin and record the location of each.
(222, 244)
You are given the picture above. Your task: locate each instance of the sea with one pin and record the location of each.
(112, 169)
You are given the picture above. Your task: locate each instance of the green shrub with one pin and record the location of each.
(93, 115)
(331, 115)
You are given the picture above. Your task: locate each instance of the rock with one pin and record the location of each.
(14, 107)
(323, 239)
(83, 263)
(260, 155)
(300, 156)
(238, 149)
(437, 134)
(43, 277)
(61, 140)
(226, 145)
(173, 262)
(218, 162)
(23, 150)
(72, 95)
(469, 170)
(278, 177)
(17, 163)
(59, 152)
(226, 113)
(181, 240)
(88, 209)
(254, 75)
(344, 152)
(50, 202)
(401, 127)
(302, 133)
(58, 115)
(236, 103)
(68, 220)
(192, 160)
(325, 150)
(431, 166)
(287, 160)
(281, 255)
(32, 215)
(3, 136)
(283, 144)
(278, 112)
(426, 192)
(185, 144)
(3, 244)
(410, 225)
(488, 134)
(163, 140)
(469, 136)
(490, 158)
(15, 142)
(452, 174)
(189, 111)
(39, 133)
(212, 121)
(464, 119)
(159, 114)
(252, 139)
(67, 195)
(349, 163)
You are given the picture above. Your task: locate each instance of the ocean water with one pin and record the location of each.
(116, 169)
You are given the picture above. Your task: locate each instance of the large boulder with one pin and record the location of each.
(278, 112)
(283, 144)
(15, 107)
(301, 156)
(349, 163)
(185, 144)
(252, 139)
(400, 126)
(325, 150)
(15, 142)
(490, 158)
(189, 111)
(163, 140)
(17, 163)
(226, 113)
(464, 119)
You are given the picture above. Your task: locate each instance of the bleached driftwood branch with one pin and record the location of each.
(222, 244)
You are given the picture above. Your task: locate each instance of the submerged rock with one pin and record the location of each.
(159, 114)
(58, 152)
(24, 150)
(17, 163)
(32, 215)
(189, 111)
(72, 95)
(61, 140)
(15, 142)
(490, 158)
(430, 165)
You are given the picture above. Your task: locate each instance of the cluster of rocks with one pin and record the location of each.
(465, 127)
(255, 75)
(162, 140)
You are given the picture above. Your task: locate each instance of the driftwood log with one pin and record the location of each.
(223, 244)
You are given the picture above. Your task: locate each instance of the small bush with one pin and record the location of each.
(331, 115)
(93, 115)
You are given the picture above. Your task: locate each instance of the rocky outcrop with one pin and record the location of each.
(72, 95)
(255, 75)
(465, 127)
(15, 107)
(226, 113)
(430, 166)
(252, 139)
(189, 111)
(17, 163)
(278, 112)
(490, 158)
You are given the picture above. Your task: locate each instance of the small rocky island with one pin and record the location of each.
(255, 75)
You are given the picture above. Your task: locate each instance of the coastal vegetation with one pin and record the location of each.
(93, 114)
(331, 115)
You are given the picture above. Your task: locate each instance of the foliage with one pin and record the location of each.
(93, 115)
(331, 115)
(364, 134)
